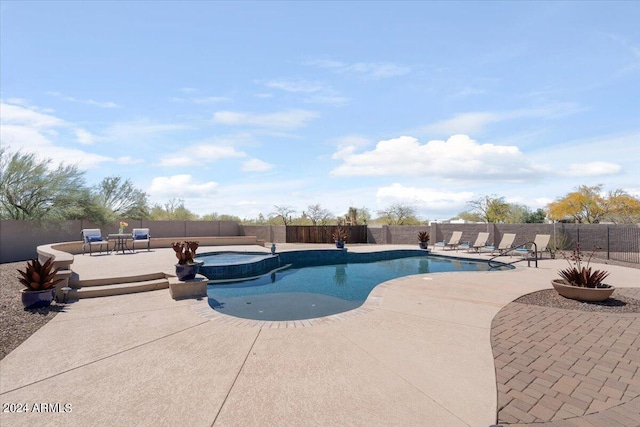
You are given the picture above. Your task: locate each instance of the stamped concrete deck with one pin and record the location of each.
(417, 353)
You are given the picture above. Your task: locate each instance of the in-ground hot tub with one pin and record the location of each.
(236, 265)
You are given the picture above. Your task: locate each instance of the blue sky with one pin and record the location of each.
(239, 106)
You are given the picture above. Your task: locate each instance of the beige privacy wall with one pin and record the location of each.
(19, 239)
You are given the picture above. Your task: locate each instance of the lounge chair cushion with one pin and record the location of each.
(141, 236)
(94, 238)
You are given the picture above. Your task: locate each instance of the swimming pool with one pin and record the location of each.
(321, 290)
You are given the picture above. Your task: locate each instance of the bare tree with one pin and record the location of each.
(317, 214)
(399, 214)
(284, 212)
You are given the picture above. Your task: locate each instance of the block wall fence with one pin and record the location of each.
(19, 239)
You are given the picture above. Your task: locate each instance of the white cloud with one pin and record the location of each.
(592, 169)
(102, 104)
(177, 160)
(425, 199)
(210, 99)
(347, 145)
(202, 100)
(180, 186)
(85, 137)
(213, 153)
(283, 120)
(460, 157)
(18, 115)
(198, 154)
(614, 156)
(140, 129)
(367, 69)
(327, 99)
(30, 131)
(32, 140)
(107, 104)
(255, 165)
(468, 91)
(297, 85)
(475, 122)
(128, 160)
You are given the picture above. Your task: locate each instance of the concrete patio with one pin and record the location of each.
(417, 353)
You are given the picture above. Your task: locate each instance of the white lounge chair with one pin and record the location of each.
(505, 244)
(141, 236)
(541, 245)
(92, 237)
(480, 242)
(452, 243)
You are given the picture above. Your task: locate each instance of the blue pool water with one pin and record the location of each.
(308, 292)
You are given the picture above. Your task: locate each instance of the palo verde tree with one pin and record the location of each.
(588, 204)
(31, 190)
(120, 199)
(623, 208)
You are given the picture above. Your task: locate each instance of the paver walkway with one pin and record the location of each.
(554, 365)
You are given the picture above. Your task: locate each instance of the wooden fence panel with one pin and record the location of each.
(323, 233)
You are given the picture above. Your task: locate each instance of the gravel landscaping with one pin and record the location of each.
(623, 300)
(17, 323)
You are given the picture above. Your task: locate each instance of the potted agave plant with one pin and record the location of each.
(580, 282)
(40, 283)
(340, 237)
(423, 239)
(186, 268)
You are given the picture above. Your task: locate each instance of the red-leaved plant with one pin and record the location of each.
(579, 275)
(185, 251)
(39, 277)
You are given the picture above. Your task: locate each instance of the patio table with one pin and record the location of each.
(120, 241)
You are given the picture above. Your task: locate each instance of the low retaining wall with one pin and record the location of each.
(62, 253)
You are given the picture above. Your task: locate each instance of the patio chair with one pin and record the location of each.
(92, 237)
(452, 243)
(541, 244)
(504, 245)
(480, 242)
(140, 237)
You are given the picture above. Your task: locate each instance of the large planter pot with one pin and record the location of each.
(37, 299)
(582, 294)
(424, 245)
(187, 271)
(339, 244)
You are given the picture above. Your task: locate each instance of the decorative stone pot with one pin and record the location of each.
(600, 293)
(424, 245)
(37, 299)
(339, 244)
(187, 271)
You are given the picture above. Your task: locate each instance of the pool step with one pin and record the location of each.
(102, 290)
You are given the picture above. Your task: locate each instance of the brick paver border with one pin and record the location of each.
(560, 367)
